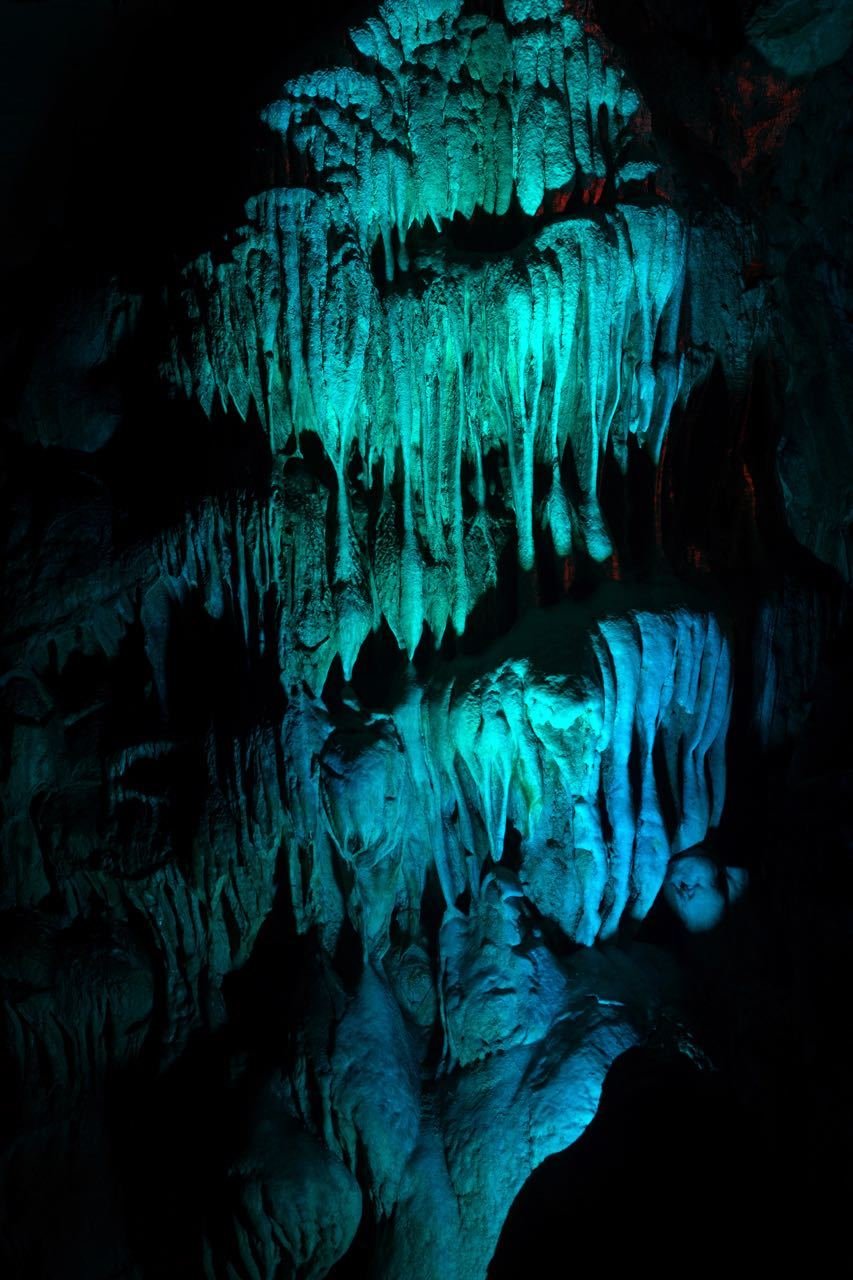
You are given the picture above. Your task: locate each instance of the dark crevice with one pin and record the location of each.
(670, 1145)
(486, 237)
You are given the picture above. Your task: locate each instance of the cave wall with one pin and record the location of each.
(425, 670)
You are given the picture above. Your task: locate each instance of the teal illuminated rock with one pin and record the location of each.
(544, 358)
(594, 739)
(558, 352)
(432, 402)
(458, 112)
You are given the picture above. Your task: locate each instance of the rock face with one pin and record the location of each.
(579, 736)
(394, 591)
(588, 332)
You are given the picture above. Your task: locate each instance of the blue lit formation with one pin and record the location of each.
(543, 745)
(545, 358)
(463, 402)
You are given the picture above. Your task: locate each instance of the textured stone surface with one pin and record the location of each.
(425, 632)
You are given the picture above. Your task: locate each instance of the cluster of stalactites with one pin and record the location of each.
(443, 114)
(602, 777)
(473, 392)
(550, 356)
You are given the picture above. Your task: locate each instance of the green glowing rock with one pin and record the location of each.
(560, 351)
(546, 357)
